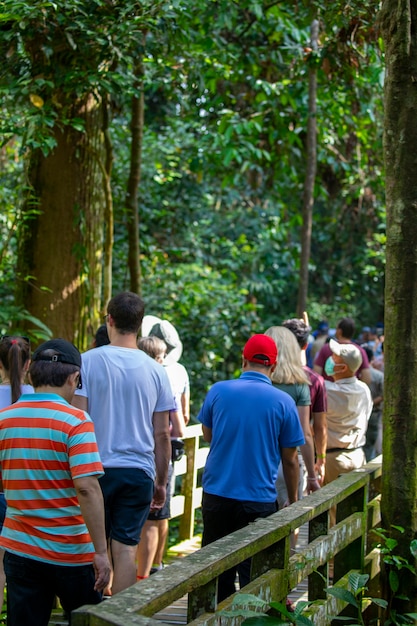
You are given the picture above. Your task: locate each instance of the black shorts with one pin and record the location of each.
(165, 512)
(127, 496)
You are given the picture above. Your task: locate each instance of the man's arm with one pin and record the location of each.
(207, 433)
(291, 471)
(177, 424)
(90, 498)
(307, 449)
(320, 440)
(365, 375)
(185, 405)
(162, 457)
(80, 402)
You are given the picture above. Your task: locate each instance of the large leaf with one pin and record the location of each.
(342, 594)
(264, 620)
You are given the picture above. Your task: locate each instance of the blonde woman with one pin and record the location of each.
(289, 376)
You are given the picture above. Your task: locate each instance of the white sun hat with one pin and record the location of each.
(152, 325)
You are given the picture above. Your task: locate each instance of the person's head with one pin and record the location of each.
(56, 363)
(101, 337)
(289, 370)
(299, 329)
(369, 353)
(345, 328)
(153, 326)
(14, 362)
(126, 311)
(260, 353)
(154, 347)
(345, 360)
(322, 329)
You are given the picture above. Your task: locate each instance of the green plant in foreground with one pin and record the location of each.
(257, 612)
(394, 563)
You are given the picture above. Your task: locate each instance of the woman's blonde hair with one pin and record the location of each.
(289, 369)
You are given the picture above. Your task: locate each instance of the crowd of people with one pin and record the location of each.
(87, 447)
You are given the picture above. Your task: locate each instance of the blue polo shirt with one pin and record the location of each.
(250, 421)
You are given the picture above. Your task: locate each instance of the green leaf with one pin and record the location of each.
(380, 602)
(357, 581)
(413, 548)
(248, 599)
(393, 581)
(264, 620)
(342, 594)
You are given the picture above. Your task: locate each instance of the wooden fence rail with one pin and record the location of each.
(274, 571)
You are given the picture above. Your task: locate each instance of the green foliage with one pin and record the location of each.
(259, 613)
(224, 153)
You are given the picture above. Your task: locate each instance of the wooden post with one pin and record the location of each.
(352, 557)
(316, 585)
(189, 484)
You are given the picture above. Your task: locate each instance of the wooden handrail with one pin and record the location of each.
(274, 571)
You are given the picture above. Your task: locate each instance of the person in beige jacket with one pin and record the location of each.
(349, 406)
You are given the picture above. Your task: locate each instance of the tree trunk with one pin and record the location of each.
(399, 486)
(60, 255)
(108, 211)
(132, 211)
(308, 197)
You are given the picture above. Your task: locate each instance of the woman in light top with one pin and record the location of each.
(290, 377)
(14, 364)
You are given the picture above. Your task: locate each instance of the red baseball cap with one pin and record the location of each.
(261, 349)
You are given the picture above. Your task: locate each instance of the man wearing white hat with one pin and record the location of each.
(177, 374)
(349, 406)
(152, 547)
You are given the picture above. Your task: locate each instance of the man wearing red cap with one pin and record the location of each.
(250, 426)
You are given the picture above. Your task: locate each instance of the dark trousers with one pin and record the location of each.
(32, 586)
(222, 516)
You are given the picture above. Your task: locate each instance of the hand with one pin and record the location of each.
(320, 469)
(159, 497)
(102, 569)
(312, 484)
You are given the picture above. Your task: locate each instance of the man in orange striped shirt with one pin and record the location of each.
(53, 535)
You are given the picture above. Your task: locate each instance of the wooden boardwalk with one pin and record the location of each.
(176, 613)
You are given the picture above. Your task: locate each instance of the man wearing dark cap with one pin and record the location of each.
(53, 535)
(250, 426)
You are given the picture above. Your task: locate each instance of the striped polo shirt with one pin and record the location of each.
(44, 444)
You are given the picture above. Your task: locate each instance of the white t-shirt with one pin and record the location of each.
(124, 387)
(6, 394)
(179, 381)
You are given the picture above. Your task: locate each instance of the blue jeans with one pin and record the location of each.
(32, 586)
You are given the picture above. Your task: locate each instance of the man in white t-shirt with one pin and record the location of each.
(128, 397)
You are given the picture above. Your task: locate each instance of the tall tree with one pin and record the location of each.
(66, 66)
(399, 495)
(310, 176)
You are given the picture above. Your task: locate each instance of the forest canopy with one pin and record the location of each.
(162, 147)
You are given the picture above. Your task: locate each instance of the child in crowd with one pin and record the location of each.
(151, 547)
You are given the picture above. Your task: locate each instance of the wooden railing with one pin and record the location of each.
(274, 571)
(185, 505)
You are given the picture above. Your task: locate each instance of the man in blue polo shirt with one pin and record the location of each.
(250, 426)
